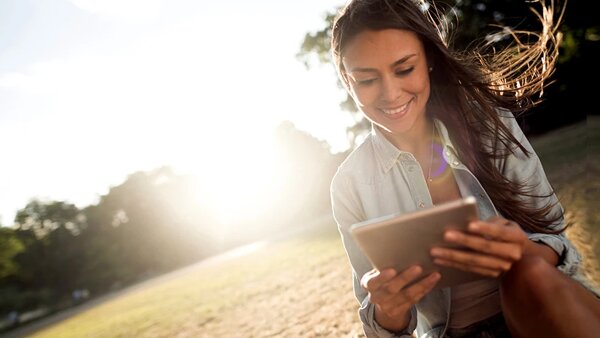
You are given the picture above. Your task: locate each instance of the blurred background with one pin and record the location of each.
(139, 137)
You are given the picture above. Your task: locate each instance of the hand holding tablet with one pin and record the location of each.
(403, 241)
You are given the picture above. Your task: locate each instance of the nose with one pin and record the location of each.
(390, 89)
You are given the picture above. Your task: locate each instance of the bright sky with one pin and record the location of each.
(94, 90)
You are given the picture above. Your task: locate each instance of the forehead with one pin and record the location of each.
(371, 48)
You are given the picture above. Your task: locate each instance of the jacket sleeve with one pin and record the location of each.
(347, 211)
(518, 167)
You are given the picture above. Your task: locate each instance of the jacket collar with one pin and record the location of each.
(387, 154)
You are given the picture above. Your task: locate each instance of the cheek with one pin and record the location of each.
(364, 96)
(423, 94)
(422, 86)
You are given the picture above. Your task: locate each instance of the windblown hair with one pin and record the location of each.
(468, 89)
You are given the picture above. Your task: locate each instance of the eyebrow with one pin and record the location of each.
(396, 63)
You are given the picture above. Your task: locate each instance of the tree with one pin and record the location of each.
(49, 233)
(10, 246)
(309, 168)
(40, 257)
(44, 217)
(149, 224)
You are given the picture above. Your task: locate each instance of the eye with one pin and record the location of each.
(404, 72)
(365, 82)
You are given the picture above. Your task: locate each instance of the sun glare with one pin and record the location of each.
(125, 9)
(241, 180)
(177, 95)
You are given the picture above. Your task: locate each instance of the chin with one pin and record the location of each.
(397, 128)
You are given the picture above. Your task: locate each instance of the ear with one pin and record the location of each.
(430, 64)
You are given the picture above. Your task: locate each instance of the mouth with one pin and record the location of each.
(397, 112)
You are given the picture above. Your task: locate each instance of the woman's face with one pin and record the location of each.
(388, 77)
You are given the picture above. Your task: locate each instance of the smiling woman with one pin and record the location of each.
(428, 104)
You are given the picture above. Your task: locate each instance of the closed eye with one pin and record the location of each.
(404, 72)
(365, 82)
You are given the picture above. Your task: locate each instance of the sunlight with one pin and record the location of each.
(126, 9)
(175, 96)
(241, 178)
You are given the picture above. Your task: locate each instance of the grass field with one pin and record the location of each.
(292, 287)
(300, 286)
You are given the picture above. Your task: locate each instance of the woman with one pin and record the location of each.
(443, 128)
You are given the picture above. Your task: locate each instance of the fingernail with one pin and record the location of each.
(389, 273)
(415, 269)
(436, 252)
(451, 235)
(474, 226)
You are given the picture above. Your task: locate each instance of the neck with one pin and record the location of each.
(415, 141)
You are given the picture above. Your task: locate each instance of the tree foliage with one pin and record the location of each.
(10, 246)
(309, 168)
(49, 231)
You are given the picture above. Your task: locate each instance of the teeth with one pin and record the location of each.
(396, 110)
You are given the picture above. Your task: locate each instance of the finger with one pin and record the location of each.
(497, 219)
(471, 259)
(373, 279)
(386, 291)
(414, 293)
(506, 250)
(411, 295)
(469, 268)
(501, 229)
(404, 278)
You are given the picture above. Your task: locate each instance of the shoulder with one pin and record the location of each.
(498, 130)
(508, 119)
(357, 164)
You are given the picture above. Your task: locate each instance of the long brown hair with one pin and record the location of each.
(468, 88)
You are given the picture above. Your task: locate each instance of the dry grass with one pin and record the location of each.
(571, 158)
(297, 287)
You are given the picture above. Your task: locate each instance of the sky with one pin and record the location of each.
(94, 90)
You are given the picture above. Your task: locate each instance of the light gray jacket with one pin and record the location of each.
(377, 179)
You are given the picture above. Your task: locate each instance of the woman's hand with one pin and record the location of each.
(392, 296)
(496, 243)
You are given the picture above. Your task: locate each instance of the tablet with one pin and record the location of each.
(402, 241)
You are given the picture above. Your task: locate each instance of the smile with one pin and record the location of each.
(398, 110)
